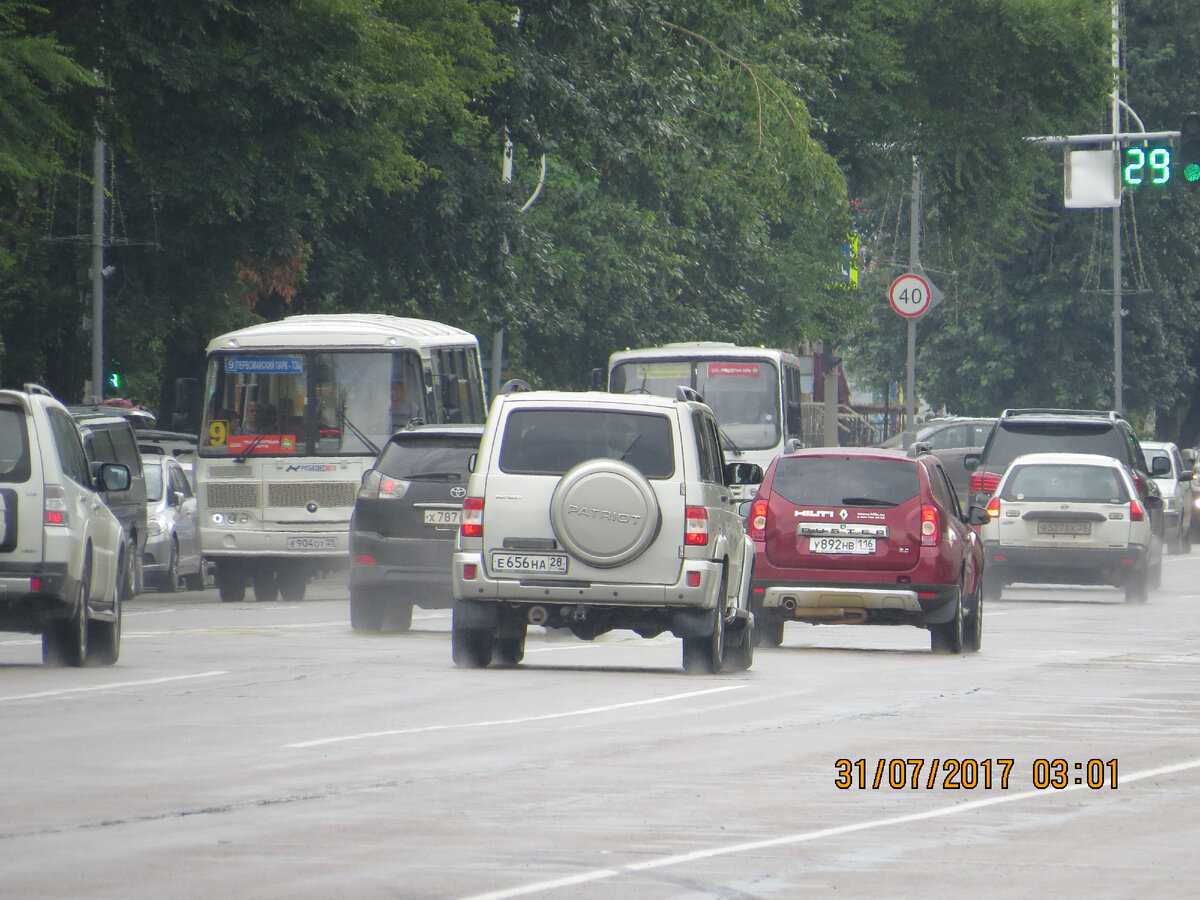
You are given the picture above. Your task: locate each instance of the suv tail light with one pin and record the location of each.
(376, 485)
(55, 505)
(993, 508)
(929, 526)
(758, 520)
(696, 534)
(1136, 512)
(472, 518)
(983, 483)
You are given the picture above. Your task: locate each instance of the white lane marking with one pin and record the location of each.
(590, 711)
(118, 685)
(804, 837)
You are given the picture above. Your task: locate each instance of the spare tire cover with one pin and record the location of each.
(604, 512)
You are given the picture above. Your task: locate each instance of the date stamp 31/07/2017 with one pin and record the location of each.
(958, 774)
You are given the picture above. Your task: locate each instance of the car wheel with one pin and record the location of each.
(397, 616)
(991, 589)
(231, 581)
(1136, 589)
(1185, 539)
(195, 581)
(266, 588)
(65, 641)
(292, 584)
(170, 578)
(948, 636)
(104, 638)
(973, 623)
(366, 612)
(508, 651)
(1156, 572)
(470, 648)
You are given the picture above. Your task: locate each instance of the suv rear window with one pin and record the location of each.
(1012, 439)
(842, 481)
(1089, 484)
(14, 445)
(430, 458)
(551, 441)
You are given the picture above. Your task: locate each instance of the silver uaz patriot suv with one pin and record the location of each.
(593, 512)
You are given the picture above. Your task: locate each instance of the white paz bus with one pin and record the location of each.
(755, 392)
(295, 412)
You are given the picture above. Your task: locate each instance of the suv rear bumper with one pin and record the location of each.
(27, 610)
(589, 593)
(1079, 565)
(410, 569)
(907, 604)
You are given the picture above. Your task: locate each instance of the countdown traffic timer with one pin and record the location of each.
(1146, 165)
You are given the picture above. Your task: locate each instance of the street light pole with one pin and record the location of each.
(98, 268)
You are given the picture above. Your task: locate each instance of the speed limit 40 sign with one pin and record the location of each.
(910, 295)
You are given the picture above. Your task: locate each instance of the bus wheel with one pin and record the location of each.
(231, 581)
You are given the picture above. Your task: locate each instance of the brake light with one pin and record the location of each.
(993, 508)
(472, 518)
(696, 534)
(929, 526)
(983, 483)
(758, 520)
(1136, 512)
(55, 505)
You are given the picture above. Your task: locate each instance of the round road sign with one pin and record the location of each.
(910, 295)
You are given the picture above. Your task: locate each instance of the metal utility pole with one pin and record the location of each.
(1118, 373)
(98, 268)
(914, 264)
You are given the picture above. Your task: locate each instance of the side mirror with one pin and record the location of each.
(977, 515)
(1154, 501)
(1160, 467)
(971, 461)
(113, 477)
(471, 460)
(177, 498)
(1185, 475)
(596, 381)
(743, 473)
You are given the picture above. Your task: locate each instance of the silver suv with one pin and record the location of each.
(593, 512)
(64, 565)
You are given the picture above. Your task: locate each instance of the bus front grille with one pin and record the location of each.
(301, 493)
(232, 496)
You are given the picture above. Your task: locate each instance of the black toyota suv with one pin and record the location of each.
(1020, 431)
(405, 519)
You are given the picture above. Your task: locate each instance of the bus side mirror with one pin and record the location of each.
(596, 381)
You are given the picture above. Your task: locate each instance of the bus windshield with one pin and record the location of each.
(742, 393)
(310, 402)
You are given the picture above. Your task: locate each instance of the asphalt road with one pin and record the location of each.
(266, 750)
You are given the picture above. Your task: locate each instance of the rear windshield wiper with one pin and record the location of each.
(866, 501)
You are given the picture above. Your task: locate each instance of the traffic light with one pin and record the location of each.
(1189, 146)
(114, 380)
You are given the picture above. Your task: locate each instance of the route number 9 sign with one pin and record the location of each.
(910, 295)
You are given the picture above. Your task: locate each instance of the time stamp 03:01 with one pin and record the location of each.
(968, 774)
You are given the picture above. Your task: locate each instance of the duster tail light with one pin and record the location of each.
(758, 521)
(929, 526)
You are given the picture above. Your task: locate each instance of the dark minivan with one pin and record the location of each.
(406, 516)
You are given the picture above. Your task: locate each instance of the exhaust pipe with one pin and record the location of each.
(789, 603)
(538, 615)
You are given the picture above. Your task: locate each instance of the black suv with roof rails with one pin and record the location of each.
(1038, 430)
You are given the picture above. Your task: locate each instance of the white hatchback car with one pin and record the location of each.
(1174, 480)
(1069, 518)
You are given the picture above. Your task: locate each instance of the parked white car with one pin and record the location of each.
(1069, 518)
(172, 554)
(1174, 480)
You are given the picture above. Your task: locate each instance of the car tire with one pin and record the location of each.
(170, 578)
(397, 616)
(65, 641)
(366, 612)
(973, 622)
(292, 584)
(508, 650)
(231, 581)
(266, 587)
(947, 637)
(1137, 587)
(470, 648)
(991, 589)
(104, 638)
(1185, 539)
